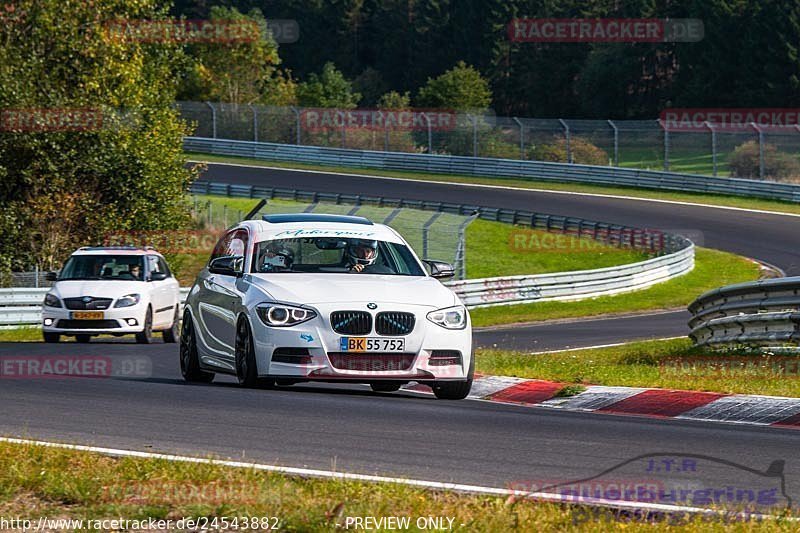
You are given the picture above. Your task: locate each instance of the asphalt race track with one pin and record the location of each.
(350, 429)
(582, 333)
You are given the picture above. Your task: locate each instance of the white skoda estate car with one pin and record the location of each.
(112, 290)
(312, 297)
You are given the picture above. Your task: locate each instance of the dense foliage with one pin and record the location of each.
(748, 57)
(110, 154)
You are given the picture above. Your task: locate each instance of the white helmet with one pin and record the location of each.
(362, 251)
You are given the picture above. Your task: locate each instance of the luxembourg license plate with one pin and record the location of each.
(367, 344)
(87, 315)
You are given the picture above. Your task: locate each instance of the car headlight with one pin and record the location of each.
(51, 300)
(281, 315)
(128, 300)
(449, 317)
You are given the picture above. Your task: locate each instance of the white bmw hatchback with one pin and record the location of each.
(311, 297)
(112, 290)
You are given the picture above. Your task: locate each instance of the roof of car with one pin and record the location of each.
(292, 226)
(116, 250)
(286, 218)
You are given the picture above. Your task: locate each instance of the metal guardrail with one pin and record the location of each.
(490, 167)
(765, 312)
(677, 258)
(574, 285)
(22, 306)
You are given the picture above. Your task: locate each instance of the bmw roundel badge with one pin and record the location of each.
(372, 305)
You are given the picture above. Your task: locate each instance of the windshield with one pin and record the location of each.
(106, 267)
(334, 255)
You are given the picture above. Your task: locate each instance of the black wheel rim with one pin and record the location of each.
(242, 351)
(186, 346)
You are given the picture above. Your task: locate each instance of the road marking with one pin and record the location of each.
(606, 345)
(509, 187)
(436, 485)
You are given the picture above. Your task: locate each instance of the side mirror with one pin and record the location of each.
(231, 265)
(440, 269)
(51, 276)
(158, 276)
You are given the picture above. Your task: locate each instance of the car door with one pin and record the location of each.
(160, 299)
(172, 291)
(219, 300)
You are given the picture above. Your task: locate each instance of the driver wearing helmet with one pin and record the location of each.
(276, 258)
(361, 255)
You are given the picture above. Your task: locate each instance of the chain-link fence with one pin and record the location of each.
(33, 278)
(439, 236)
(747, 151)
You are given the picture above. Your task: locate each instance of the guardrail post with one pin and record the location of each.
(461, 251)
(425, 230)
(474, 122)
(385, 132)
(213, 120)
(521, 137)
(566, 137)
(666, 144)
(344, 131)
(297, 123)
(430, 132)
(255, 122)
(713, 145)
(760, 149)
(616, 143)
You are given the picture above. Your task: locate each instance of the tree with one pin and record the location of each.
(461, 88)
(328, 89)
(394, 100)
(241, 71)
(89, 140)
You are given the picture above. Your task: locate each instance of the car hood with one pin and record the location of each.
(98, 288)
(340, 288)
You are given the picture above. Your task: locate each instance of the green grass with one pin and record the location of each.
(712, 269)
(675, 196)
(38, 481)
(23, 334)
(496, 249)
(645, 364)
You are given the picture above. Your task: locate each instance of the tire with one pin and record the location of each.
(455, 390)
(385, 386)
(171, 335)
(51, 337)
(190, 362)
(83, 339)
(246, 370)
(146, 335)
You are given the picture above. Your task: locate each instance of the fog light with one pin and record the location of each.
(48, 321)
(131, 321)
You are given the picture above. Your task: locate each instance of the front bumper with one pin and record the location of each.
(114, 321)
(326, 362)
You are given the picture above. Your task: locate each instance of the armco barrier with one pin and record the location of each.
(765, 312)
(490, 167)
(574, 285)
(24, 307)
(677, 252)
(21, 306)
